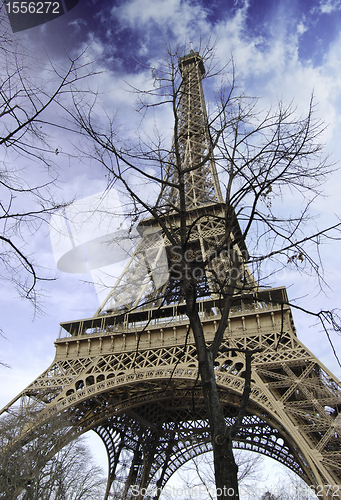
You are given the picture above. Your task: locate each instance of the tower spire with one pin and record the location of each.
(150, 276)
(192, 142)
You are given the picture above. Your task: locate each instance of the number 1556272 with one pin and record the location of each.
(33, 7)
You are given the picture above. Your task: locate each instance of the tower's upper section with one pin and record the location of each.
(190, 61)
(192, 141)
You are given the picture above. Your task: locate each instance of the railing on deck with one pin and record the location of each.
(265, 300)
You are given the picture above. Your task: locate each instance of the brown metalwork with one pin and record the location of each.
(130, 372)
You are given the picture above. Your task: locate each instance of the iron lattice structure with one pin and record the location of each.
(130, 372)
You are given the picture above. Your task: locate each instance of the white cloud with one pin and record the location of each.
(329, 6)
(174, 13)
(272, 68)
(178, 21)
(301, 28)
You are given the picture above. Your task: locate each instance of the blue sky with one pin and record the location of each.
(126, 29)
(283, 49)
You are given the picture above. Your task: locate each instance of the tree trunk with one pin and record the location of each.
(225, 467)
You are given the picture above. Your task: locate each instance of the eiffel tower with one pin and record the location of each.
(130, 372)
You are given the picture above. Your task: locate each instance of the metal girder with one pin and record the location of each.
(195, 145)
(185, 435)
(100, 380)
(132, 374)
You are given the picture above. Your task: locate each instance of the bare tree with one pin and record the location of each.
(70, 474)
(261, 156)
(198, 474)
(36, 471)
(28, 168)
(292, 488)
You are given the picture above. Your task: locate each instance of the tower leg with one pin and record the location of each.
(114, 444)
